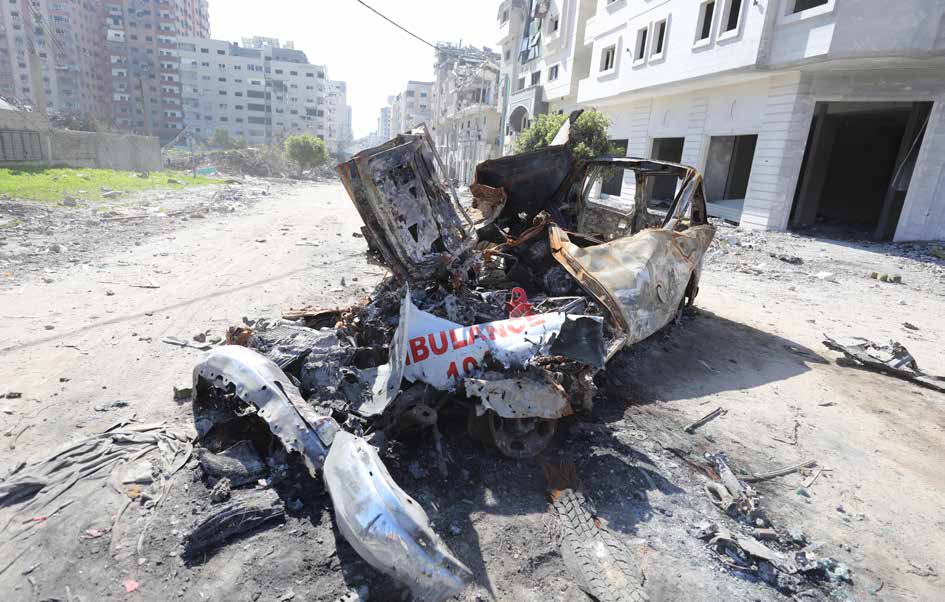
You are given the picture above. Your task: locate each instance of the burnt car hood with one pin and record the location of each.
(530, 181)
(412, 216)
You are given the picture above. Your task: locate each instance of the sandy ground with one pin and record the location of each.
(752, 346)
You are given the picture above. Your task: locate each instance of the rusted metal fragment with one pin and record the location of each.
(385, 526)
(534, 394)
(257, 381)
(412, 217)
(641, 280)
(488, 200)
(893, 359)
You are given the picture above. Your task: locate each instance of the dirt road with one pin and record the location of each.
(753, 346)
(92, 337)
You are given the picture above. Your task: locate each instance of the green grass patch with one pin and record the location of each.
(41, 184)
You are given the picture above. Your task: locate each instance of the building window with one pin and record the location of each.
(801, 5)
(659, 41)
(555, 23)
(732, 16)
(536, 78)
(552, 73)
(608, 58)
(521, 83)
(639, 52)
(706, 12)
(507, 54)
(504, 18)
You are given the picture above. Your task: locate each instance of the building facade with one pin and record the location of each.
(143, 76)
(116, 60)
(543, 59)
(798, 112)
(465, 122)
(411, 107)
(60, 44)
(383, 124)
(261, 92)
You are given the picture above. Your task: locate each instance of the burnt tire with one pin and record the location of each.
(601, 564)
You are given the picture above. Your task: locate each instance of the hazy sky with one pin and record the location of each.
(359, 47)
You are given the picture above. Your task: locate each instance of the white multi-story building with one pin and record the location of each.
(339, 135)
(411, 107)
(465, 122)
(798, 112)
(383, 124)
(262, 93)
(543, 58)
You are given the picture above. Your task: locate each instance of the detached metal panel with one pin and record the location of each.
(20, 145)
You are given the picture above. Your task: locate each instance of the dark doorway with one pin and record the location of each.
(727, 171)
(857, 167)
(663, 188)
(728, 166)
(613, 183)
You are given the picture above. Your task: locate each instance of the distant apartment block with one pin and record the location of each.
(411, 107)
(261, 92)
(143, 62)
(465, 122)
(52, 53)
(115, 60)
(799, 113)
(383, 124)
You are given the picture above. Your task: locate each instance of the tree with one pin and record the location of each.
(588, 137)
(540, 133)
(306, 150)
(221, 139)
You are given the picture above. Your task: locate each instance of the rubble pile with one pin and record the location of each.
(259, 162)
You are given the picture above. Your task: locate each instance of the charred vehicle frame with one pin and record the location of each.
(507, 317)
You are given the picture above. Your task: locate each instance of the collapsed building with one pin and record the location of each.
(503, 311)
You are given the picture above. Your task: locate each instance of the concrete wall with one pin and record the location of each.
(84, 149)
(106, 151)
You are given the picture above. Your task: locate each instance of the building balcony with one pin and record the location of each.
(531, 99)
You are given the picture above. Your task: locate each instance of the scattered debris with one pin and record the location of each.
(183, 343)
(909, 326)
(754, 478)
(111, 405)
(810, 481)
(886, 278)
(130, 585)
(792, 259)
(705, 419)
(221, 491)
(242, 515)
(892, 359)
(238, 465)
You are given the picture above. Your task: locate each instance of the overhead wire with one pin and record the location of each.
(394, 23)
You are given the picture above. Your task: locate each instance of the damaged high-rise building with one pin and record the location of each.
(466, 125)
